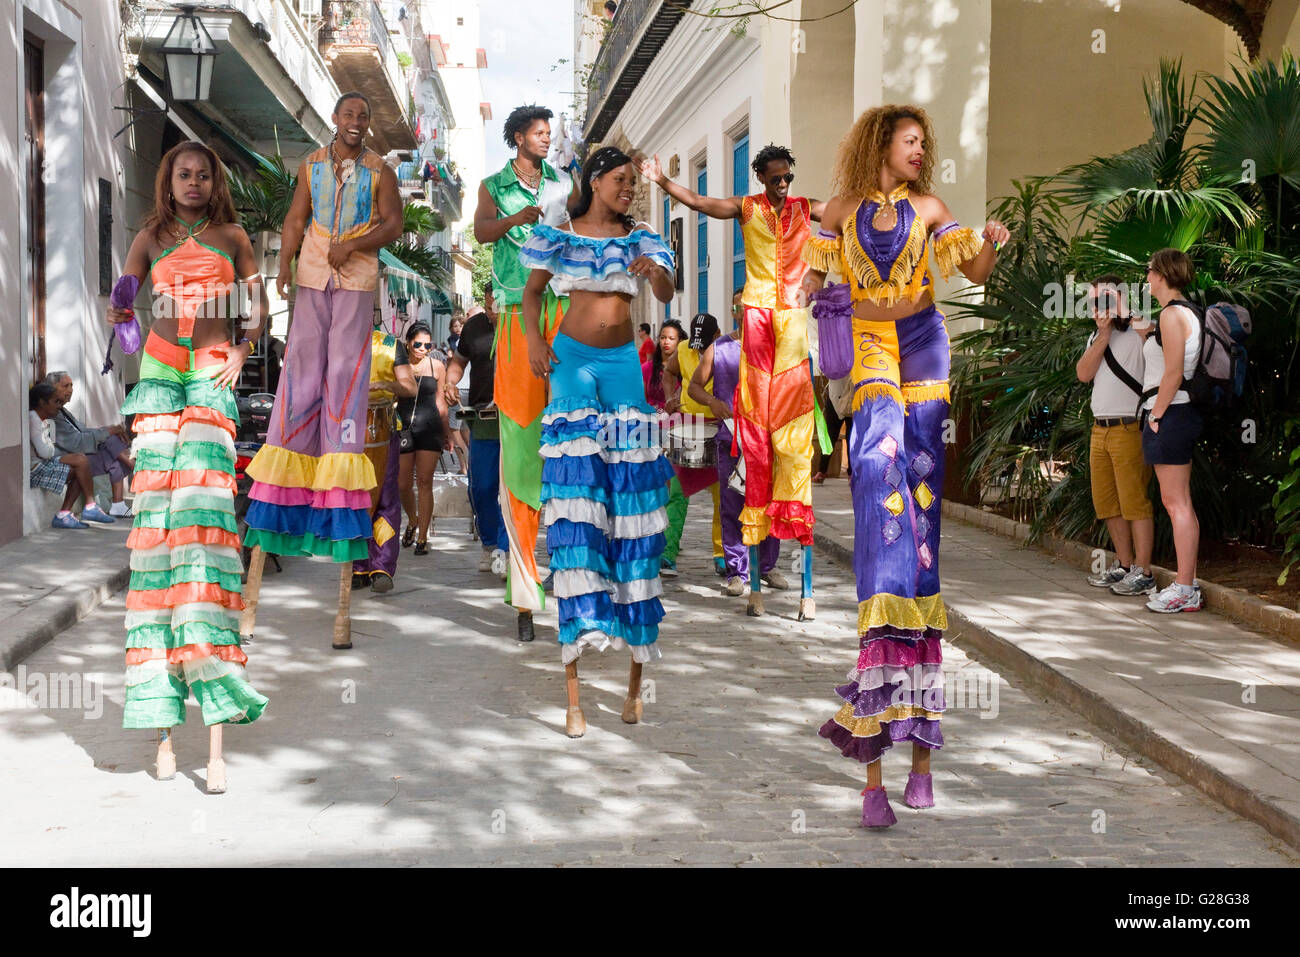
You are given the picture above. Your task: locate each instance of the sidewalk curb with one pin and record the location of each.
(56, 613)
(1047, 681)
(1278, 620)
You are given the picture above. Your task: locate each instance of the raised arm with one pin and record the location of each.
(961, 247)
(728, 208)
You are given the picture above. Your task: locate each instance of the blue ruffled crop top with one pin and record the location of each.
(592, 264)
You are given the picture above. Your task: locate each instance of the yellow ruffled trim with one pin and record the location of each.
(926, 611)
(755, 525)
(869, 391)
(346, 470)
(956, 247)
(869, 727)
(822, 254)
(914, 392)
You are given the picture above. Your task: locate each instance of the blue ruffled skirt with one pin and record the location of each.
(604, 488)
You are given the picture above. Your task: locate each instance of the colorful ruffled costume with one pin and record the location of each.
(774, 400)
(312, 480)
(900, 402)
(519, 395)
(182, 609)
(383, 448)
(604, 477)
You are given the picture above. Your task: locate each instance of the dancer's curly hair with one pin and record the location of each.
(768, 154)
(519, 121)
(862, 151)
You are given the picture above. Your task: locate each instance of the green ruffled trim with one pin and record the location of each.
(149, 519)
(151, 460)
(228, 699)
(165, 637)
(207, 517)
(157, 703)
(155, 581)
(278, 543)
(204, 455)
(154, 397)
(204, 392)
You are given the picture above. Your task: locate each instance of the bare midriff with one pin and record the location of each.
(602, 320)
(868, 310)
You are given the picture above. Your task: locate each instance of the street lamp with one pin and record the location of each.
(189, 53)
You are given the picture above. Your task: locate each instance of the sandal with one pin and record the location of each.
(408, 536)
(421, 548)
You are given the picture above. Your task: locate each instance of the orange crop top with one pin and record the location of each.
(893, 265)
(192, 274)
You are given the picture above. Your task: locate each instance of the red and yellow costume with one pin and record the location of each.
(774, 400)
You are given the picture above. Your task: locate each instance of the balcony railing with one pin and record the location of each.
(361, 23)
(636, 34)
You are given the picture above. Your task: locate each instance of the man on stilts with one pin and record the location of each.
(527, 190)
(312, 480)
(774, 407)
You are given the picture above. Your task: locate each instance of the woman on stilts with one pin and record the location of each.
(604, 477)
(881, 326)
(185, 594)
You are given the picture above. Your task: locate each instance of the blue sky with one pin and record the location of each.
(524, 39)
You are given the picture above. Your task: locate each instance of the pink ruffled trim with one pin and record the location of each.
(334, 498)
(883, 652)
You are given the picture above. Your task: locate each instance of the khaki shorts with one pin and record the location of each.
(1120, 477)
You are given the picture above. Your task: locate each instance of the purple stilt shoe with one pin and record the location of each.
(920, 790)
(876, 811)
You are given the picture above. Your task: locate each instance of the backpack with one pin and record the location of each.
(1219, 378)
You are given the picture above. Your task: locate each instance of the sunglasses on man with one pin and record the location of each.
(786, 178)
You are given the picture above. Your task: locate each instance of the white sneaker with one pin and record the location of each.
(1111, 576)
(485, 560)
(1172, 600)
(119, 510)
(735, 586)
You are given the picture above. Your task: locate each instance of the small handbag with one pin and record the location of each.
(406, 436)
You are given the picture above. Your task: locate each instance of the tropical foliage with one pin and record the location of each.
(1220, 179)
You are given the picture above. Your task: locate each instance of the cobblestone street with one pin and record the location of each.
(439, 740)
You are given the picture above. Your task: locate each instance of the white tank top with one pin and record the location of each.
(1154, 356)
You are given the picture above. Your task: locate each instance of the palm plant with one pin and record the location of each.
(263, 197)
(1016, 382)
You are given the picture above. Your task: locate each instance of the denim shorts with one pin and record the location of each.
(1172, 445)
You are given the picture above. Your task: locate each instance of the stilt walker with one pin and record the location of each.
(605, 479)
(881, 327)
(526, 191)
(774, 407)
(184, 599)
(312, 485)
(390, 377)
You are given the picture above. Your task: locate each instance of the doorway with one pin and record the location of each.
(34, 82)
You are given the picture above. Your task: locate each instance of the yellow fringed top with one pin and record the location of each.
(896, 272)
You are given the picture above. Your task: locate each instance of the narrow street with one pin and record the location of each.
(438, 740)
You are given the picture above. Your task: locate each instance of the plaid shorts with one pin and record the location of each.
(51, 475)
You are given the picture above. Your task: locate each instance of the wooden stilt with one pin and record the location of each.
(343, 620)
(166, 756)
(575, 723)
(216, 764)
(632, 707)
(873, 774)
(807, 605)
(755, 606)
(252, 589)
(920, 759)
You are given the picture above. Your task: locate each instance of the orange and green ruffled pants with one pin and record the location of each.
(182, 609)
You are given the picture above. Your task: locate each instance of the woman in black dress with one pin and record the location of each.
(424, 416)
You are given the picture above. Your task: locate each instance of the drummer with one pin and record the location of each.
(713, 384)
(679, 368)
